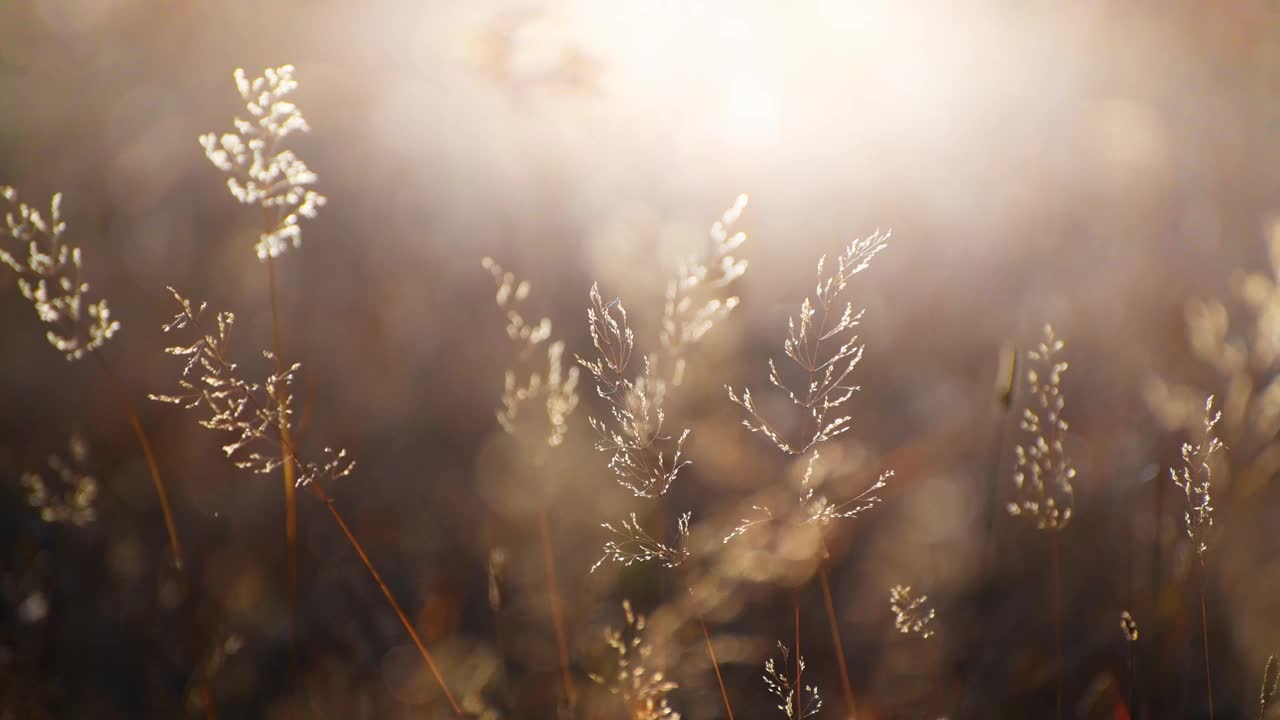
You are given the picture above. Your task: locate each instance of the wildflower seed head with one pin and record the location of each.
(1195, 479)
(556, 388)
(796, 700)
(1129, 626)
(48, 271)
(632, 544)
(823, 347)
(261, 171)
(642, 458)
(912, 614)
(250, 413)
(74, 503)
(642, 688)
(1043, 473)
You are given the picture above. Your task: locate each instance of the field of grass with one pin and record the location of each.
(582, 360)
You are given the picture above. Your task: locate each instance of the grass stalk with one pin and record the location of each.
(153, 468)
(175, 543)
(553, 600)
(386, 591)
(847, 686)
(289, 476)
(799, 689)
(715, 664)
(1204, 632)
(1057, 620)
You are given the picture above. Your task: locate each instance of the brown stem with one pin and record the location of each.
(1204, 628)
(207, 697)
(715, 664)
(835, 639)
(171, 527)
(1057, 619)
(386, 591)
(175, 543)
(799, 689)
(290, 478)
(553, 599)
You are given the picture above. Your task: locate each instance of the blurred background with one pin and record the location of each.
(1094, 165)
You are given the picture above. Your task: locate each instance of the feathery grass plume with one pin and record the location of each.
(1195, 479)
(251, 412)
(557, 391)
(1044, 472)
(694, 302)
(1129, 626)
(257, 415)
(642, 689)
(825, 318)
(1247, 357)
(49, 277)
(911, 612)
(262, 173)
(636, 545)
(1270, 683)
(827, 373)
(74, 505)
(796, 700)
(557, 388)
(634, 439)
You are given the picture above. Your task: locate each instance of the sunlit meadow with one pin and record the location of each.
(596, 360)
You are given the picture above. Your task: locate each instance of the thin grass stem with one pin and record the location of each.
(553, 600)
(386, 591)
(715, 664)
(289, 477)
(1057, 620)
(1204, 630)
(835, 640)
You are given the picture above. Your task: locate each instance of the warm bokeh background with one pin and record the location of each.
(1094, 165)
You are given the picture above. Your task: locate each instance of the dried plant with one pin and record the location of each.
(642, 689)
(262, 173)
(826, 387)
(557, 391)
(786, 689)
(634, 438)
(1044, 473)
(1129, 626)
(1195, 479)
(911, 613)
(826, 318)
(1246, 356)
(49, 277)
(636, 545)
(1270, 683)
(75, 504)
(556, 388)
(251, 412)
(697, 297)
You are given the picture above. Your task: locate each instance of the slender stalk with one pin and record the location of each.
(1204, 628)
(799, 689)
(1057, 619)
(553, 599)
(715, 664)
(289, 477)
(1157, 520)
(175, 543)
(207, 698)
(386, 591)
(835, 640)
